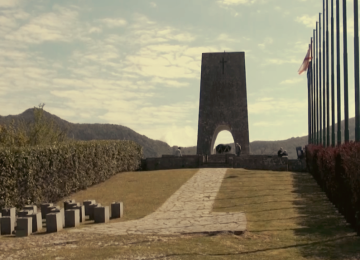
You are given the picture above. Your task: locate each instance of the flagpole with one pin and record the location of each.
(346, 97)
(327, 78)
(309, 108)
(313, 91)
(320, 103)
(317, 87)
(324, 85)
(332, 78)
(338, 86)
(356, 71)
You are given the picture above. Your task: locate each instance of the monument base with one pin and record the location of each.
(249, 162)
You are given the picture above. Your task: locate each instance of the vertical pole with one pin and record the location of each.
(346, 94)
(356, 71)
(320, 103)
(317, 87)
(313, 91)
(309, 108)
(327, 78)
(338, 86)
(332, 78)
(324, 85)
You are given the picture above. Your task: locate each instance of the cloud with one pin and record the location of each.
(153, 4)
(60, 25)
(236, 2)
(265, 123)
(223, 37)
(275, 106)
(184, 136)
(169, 83)
(95, 30)
(292, 81)
(9, 3)
(266, 42)
(308, 21)
(111, 23)
(281, 61)
(265, 99)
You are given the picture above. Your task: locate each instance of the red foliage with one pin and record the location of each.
(337, 171)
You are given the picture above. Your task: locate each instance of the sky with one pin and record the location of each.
(138, 63)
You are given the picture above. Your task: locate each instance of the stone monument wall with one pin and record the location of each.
(223, 100)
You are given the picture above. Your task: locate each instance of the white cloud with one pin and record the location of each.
(266, 123)
(282, 61)
(292, 81)
(95, 30)
(153, 4)
(308, 21)
(54, 26)
(225, 37)
(9, 3)
(179, 135)
(236, 2)
(275, 106)
(111, 23)
(266, 42)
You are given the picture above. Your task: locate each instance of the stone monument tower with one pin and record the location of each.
(223, 101)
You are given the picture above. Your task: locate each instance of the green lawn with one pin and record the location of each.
(288, 218)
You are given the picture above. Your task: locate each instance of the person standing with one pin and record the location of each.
(238, 149)
(280, 152)
(178, 152)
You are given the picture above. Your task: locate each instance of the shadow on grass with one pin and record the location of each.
(323, 223)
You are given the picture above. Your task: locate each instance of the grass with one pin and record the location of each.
(288, 218)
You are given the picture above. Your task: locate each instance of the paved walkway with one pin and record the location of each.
(187, 211)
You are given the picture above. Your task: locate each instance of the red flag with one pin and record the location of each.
(304, 66)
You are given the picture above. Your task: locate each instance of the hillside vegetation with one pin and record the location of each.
(66, 131)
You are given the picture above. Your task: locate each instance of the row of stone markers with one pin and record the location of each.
(28, 220)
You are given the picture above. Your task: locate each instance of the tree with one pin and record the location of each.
(41, 132)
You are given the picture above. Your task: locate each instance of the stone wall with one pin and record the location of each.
(250, 162)
(172, 162)
(297, 165)
(261, 162)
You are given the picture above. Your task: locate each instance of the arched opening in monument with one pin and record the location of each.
(222, 135)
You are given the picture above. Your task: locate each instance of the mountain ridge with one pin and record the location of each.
(156, 148)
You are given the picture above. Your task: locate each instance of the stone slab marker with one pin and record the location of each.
(91, 210)
(67, 202)
(36, 222)
(24, 226)
(7, 224)
(44, 207)
(86, 203)
(101, 214)
(81, 212)
(30, 207)
(53, 222)
(72, 217)
(23, 213)
(117, 209)
(10, 212)
(223, 100)
(57, 209)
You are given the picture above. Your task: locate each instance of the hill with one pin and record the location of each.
(156, 148)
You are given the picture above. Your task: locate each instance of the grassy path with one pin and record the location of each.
(288, 218)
